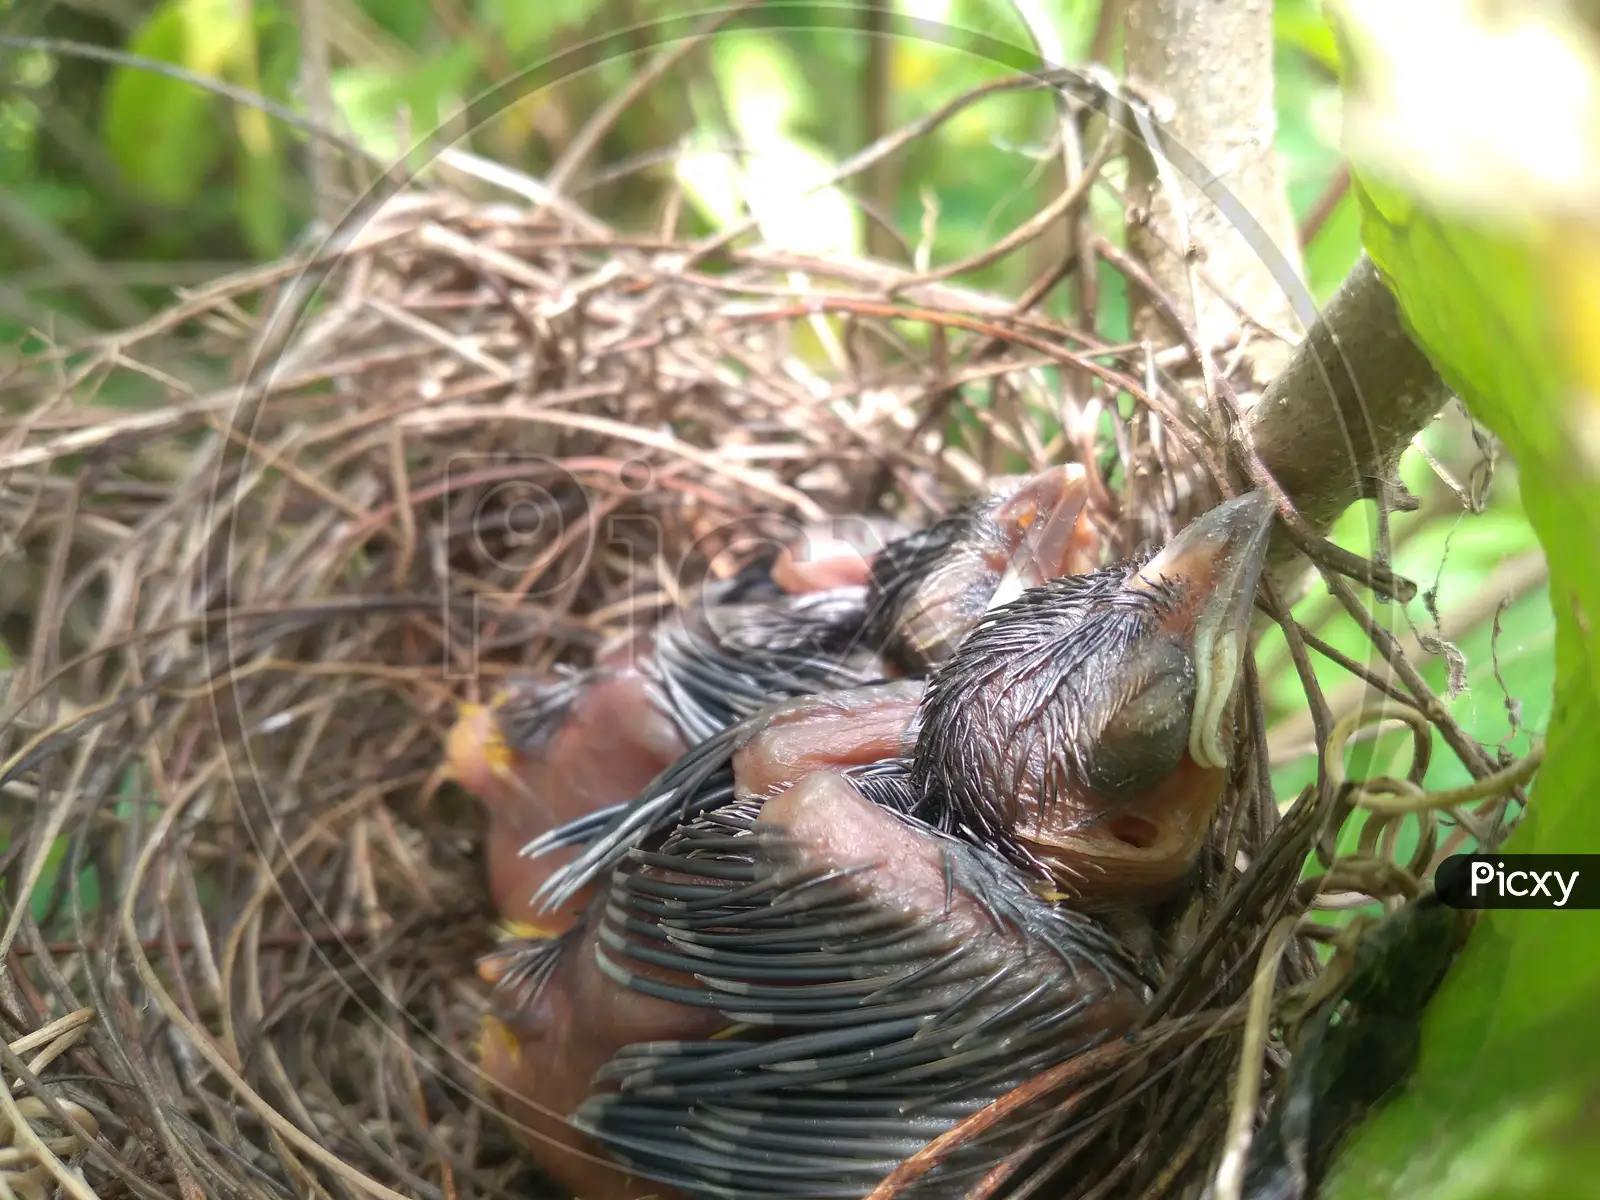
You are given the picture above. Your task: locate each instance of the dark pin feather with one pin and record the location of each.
(920, 1038)
(700, 781)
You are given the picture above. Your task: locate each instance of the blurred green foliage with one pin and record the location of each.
(1495, 259)
(132, 170)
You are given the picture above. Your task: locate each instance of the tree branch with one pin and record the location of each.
(1207, 67)
(1331, 428)
(1335, 413)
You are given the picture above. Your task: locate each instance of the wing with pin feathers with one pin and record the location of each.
(880, 981)
(864, 728)
(922, 600)
(714, 667)
(530, 713)
(724, 660)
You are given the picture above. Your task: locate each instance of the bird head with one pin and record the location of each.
(1086, 726)
(931, 587)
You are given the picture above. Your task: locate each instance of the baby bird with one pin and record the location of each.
(548, 753)
(788, 997)
(823, 938)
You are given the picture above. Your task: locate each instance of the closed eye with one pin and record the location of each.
(1146, 734)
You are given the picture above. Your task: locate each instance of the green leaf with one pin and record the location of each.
(160, 130)
(778, 176)
(1497, 272)
(408, 20)
(263, 217)
(163, 132)
(258, 188)
(61, 202)
(375, 99)
(530, 27)
(1334, 250)
(1300, 24)
(262, 202)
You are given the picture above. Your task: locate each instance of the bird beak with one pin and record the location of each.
(1215, 565)
(475, 751)
(1048, 531)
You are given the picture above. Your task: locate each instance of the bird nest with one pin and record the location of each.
(357, 488)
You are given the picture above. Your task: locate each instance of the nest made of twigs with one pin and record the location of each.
(242, 915)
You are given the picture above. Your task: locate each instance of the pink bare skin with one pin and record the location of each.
(1138, 696)
(1137, 851)
(823, 557)
(828, 732)
(539, 1063)
(614, 743)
